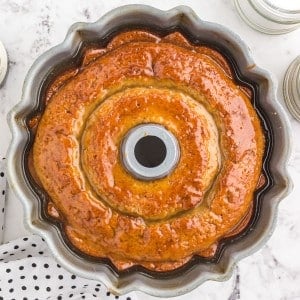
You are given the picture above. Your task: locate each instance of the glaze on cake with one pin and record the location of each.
(143, 78)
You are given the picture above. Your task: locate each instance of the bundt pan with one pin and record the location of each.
(274, 122)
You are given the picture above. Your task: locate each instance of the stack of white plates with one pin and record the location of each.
(291, 88)
(3, 62)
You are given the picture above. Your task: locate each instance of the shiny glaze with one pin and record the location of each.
(143, 78)
(161, 199)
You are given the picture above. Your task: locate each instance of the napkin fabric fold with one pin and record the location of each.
(28, 271)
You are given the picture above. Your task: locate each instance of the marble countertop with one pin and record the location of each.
(29, 27)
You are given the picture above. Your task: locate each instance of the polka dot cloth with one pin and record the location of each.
(2, 195)
(27, 271)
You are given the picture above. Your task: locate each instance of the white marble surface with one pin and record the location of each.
(29, 27)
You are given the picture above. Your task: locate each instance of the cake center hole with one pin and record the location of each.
(150, 151)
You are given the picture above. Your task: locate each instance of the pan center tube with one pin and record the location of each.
(150, 151)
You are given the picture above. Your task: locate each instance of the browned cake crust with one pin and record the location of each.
(141, 78)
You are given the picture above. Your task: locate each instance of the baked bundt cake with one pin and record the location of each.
(142, 78)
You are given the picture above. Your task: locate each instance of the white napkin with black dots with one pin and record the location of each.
(29, 272)
(2, 196)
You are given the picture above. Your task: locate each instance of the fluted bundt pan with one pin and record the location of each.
(68, 55)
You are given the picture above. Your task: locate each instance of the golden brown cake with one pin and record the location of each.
(141, 78)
